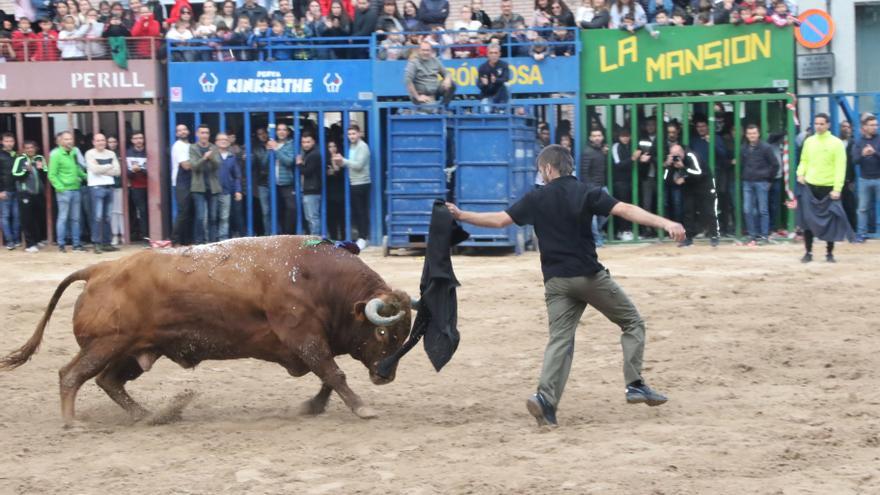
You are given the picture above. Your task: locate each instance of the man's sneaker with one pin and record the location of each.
(61, 249)
(361, 243)
(543, 412)
(32, 249)
(830, 258)
(79, 248)
(626, 236)
(686, 243)
(808, 257)
(860, 239)
(109, 248)
(42, 244)
(98, 249)
(10, 247)
(638, 394)
(714, 241)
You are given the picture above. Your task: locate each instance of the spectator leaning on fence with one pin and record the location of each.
(358, 164)
(311, 167)
(9, 213)
(230, 184)
(66, 177)
(204, 157)
(103, 167)
(759, 168)
(285, 155)
(137, 169)
(866, 152)
(29, 187)
(492, 77)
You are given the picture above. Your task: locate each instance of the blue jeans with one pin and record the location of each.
(312, 212)
(756, 196)
(69, 205)
(500, 98)
(102, 207)
(869, 197)
(266, 209)
(205, 206)
(224, 201)
(11, 220)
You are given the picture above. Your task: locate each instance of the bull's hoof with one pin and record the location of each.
(312, 408)
(365, 412)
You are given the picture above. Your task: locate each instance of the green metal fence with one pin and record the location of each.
(770, 111)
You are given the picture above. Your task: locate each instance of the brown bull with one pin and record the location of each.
(281, 299)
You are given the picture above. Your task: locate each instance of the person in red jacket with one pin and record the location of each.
(45, 48)
(22, 40)
(146, 27)
(348, 5)
(174, 15)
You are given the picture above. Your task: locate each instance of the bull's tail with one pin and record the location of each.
(24, 353)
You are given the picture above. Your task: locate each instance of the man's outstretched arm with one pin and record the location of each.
(637, 215)
(494, 220)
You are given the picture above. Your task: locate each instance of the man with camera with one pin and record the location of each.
(685, 169)
(28, 188)
(646, 156)
(865, 153)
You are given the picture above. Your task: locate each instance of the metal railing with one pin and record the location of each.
(72, 49)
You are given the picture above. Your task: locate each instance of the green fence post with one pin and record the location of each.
(609, 181)
(792, 166)
(661, 156)
(737, 168)
(633, 145)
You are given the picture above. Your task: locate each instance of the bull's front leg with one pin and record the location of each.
(318, 403)
(327, 370)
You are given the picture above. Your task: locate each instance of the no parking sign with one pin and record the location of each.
(816, 28)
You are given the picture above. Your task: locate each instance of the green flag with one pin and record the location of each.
(119, 51)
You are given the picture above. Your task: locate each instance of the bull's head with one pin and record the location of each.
(385, 324)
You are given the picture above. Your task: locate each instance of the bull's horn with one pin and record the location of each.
(372, 312)
(415, 303)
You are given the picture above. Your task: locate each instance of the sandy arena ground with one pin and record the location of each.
(768, 363)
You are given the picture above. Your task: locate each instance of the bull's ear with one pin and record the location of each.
(359, 311)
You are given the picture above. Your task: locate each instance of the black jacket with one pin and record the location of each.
(437, 318)
(7, 182)
(695, 172)
(759, 163)
(311, 172)
(501, 71)
(593, 166)
(364, 23)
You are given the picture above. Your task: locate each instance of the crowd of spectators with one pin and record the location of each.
(75, 29)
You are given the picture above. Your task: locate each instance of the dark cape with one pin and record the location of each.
(825, 217)
(437, 318)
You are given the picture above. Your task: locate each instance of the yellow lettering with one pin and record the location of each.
(764, 47)
(710, 52)
(603, 61)
(653, 66)
(726, 52)
(628, 46)
(674, 61)
(741, 50)
(536, 77)
(694, 60)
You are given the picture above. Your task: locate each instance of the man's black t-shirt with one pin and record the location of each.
(562, 213)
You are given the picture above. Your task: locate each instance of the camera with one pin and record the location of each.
(676, 158)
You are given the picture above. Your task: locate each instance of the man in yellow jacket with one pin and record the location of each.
(822, 169)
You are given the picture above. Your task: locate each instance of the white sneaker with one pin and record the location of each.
(626, 236)
(361, 243)
(114, 241)
(32, 249)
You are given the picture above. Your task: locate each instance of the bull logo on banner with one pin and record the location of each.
(208, 82)
(332, 85)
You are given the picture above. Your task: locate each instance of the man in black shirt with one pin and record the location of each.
(562, 212)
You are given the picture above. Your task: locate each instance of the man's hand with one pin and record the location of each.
(207, 154)
(835, 195)
(868, 150)
(484, 80)
(675, 231)
(271, 145)
(424, 99)
(237, 196)
(801, 179)
(456, 213)
(678, 181)
(299, 159)
(186, 165)
(3, 196)
(637, 154)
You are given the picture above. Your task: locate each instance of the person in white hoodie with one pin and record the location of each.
(69, 42)
(95, 47)
(102, 166)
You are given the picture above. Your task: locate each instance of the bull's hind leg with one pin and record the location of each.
(318, 403)
(112, 380)
(88, 363)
